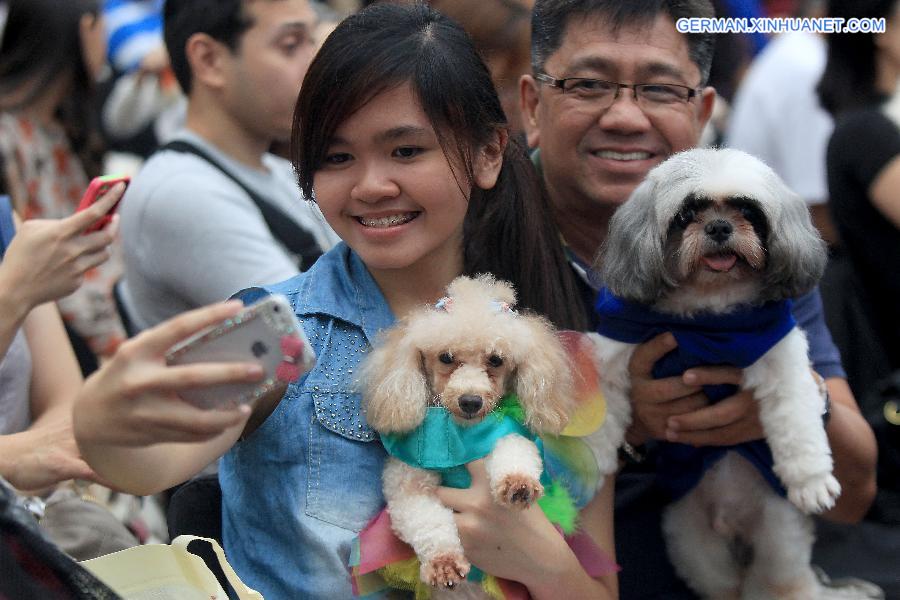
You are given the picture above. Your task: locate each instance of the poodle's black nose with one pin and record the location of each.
(719, 230)
(470, 404)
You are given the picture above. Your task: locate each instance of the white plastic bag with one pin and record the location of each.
(167, 572)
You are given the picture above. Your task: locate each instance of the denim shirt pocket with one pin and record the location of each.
(345, 460)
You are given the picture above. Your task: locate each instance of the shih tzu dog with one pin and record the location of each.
(465, 379)
(712, 246)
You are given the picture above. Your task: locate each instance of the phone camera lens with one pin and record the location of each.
(259, 349)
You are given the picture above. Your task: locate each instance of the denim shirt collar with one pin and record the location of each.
(339, 285)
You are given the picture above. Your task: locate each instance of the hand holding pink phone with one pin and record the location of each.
(97, 188)
(48, 258)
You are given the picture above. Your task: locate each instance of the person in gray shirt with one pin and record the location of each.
(192, 233)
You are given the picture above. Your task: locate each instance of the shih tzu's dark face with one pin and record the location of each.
(710, 229)
(716, 242)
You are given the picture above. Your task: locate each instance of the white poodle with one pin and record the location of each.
(451, 366)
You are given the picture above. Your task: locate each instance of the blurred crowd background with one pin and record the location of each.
(88, 89)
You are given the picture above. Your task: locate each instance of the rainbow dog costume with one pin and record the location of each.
(380, 560)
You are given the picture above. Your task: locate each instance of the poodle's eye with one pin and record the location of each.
(684, 218)
(748, 213)
(446, 358)
(494, 360)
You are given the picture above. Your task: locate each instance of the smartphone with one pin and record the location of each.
(98, 187)
(266, 332)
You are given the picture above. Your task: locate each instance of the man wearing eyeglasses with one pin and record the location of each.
(615, 90)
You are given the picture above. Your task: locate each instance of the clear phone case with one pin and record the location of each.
(266, 332)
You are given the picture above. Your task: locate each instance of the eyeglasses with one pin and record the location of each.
(603, 93)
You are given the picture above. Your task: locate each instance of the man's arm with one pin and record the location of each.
(852, 440)
(855, 454)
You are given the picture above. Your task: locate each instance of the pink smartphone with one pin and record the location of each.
(98, 187)
(266, 332)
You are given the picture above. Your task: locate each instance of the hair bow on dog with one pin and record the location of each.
(288, 369)
(444, 304)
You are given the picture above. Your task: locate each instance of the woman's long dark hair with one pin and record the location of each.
(508, 230)
(41, 42)
(849, 80)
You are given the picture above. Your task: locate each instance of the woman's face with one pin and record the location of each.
(388, 190)
(93, 44)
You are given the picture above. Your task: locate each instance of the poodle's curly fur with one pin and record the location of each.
(464, 355)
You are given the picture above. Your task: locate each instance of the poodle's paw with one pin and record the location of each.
(815, 495)
(445, 570)
(518, 491)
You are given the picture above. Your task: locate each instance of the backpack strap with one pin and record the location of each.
(283, 228)
(7, 227)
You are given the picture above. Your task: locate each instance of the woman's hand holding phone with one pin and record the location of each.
(48, 258)
(97, 189)
(266, 332)
(133, 400)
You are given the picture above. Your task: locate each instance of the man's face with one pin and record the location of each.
(266, 70)
(596, 156)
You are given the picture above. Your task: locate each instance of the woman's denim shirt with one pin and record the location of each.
(297, 491)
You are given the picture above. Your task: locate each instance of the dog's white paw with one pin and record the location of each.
(518, 491)
(445, 570)
(816, 494)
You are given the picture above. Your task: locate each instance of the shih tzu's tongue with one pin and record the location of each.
(719, 262)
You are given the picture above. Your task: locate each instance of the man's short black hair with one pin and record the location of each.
(551, 17)
(223, 20)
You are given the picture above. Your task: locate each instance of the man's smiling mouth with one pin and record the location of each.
(612, 154)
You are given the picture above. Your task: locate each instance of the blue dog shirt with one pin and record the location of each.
(738, 338)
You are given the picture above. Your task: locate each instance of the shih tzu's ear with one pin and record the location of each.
(796, 252)
(543, 378)
(631, 261)
(395, 389)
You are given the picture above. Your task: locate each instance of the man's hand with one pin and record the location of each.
(677, 410)
(732, 420)
(654, 401)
